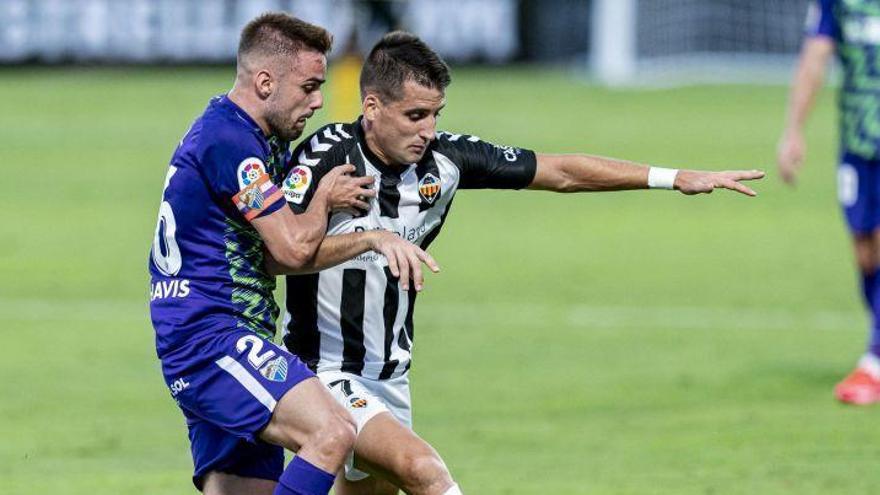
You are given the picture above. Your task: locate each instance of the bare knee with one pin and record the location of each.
(340, 433)
(333, 439)
(326, 441)
(424, 473)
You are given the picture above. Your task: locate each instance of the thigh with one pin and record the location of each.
(301, 413)
(227, 386)
(217, 483)
(363, 400)
(384, 447)
(216, 451)
(866, 251)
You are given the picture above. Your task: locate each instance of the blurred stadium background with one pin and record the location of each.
(625, 343)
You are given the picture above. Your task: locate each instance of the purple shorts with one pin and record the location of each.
(227, 386)
(858, 190)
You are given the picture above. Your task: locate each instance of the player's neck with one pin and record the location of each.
(377, 152)
(250, 107)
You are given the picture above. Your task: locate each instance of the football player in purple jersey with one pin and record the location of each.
(850, 31)
(222, 220)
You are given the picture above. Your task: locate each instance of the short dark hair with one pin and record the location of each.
(399, 57)
(278, 33)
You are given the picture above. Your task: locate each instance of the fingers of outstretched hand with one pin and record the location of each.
(415, 266)
(428, 260)
(392, 262)
(739, 175)
(708, 182)
(736, 186)
(403, 263)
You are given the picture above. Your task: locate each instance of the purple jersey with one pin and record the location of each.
(206, 263)
(854, 26)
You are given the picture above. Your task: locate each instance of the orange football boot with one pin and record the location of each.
(859, 388)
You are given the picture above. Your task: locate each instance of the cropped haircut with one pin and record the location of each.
(399, 57)
(281, 34)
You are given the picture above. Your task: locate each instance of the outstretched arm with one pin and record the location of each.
(579, 173)
(807, 82)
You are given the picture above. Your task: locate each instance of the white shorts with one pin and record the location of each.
(364, 399)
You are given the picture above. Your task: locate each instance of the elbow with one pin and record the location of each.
(568, 186)
(296, 259)
(567, 183)
(571, 179)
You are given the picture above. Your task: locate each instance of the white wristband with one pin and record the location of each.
(661, 178)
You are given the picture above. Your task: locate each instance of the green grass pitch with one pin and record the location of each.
(619, 343)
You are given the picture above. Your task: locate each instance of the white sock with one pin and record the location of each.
(871, 364)
(455, 490)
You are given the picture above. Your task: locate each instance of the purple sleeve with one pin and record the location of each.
(821, 20)
(234, 166)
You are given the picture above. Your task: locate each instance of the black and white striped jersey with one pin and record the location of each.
(354, 317)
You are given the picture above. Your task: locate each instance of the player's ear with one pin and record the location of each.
(264, 84)
(371, 106)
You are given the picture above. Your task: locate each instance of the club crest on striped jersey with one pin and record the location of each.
(249, 170)
(275, 370)
(429, 187)
(297, 184)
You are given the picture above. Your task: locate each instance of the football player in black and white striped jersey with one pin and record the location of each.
(353, 323)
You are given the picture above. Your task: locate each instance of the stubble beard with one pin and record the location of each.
(280, 128)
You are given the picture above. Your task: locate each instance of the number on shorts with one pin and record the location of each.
(256, 359)
(344, 385)
(847, 185)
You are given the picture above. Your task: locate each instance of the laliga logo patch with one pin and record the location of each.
(357, 402)
(249, 170)
(275, 370)
(429, 187)
(297, 184)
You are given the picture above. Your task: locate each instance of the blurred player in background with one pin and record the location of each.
(375, 18)
(354, 323)
(852, 29)
(211, 297)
